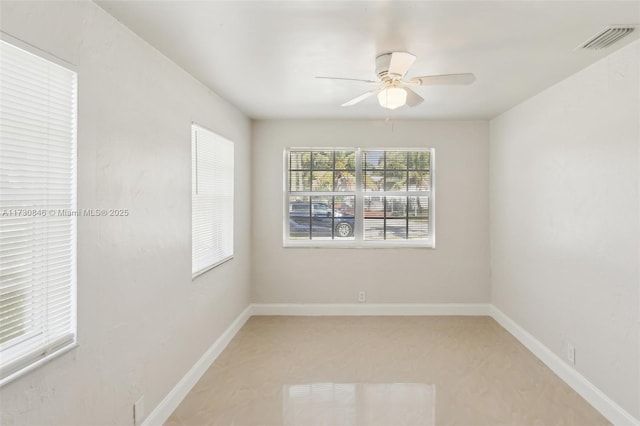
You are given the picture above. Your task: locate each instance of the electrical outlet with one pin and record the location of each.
(571, 353)
(362, 296)
(138, 411)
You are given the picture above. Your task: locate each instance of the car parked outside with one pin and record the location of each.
(317, 220)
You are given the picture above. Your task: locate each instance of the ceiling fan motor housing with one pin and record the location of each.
(382, 66)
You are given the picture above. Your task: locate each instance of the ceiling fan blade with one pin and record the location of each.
(400, 63)
(361, 97)
(435, 80)
(413, 98)
(349, 79)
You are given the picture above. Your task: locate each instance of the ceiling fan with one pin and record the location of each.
(393, 89)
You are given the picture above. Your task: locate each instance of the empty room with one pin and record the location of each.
(319, 212)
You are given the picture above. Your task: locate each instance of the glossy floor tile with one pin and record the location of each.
(359, 403)
(300, 371)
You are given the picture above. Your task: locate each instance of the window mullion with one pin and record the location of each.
(359, 213)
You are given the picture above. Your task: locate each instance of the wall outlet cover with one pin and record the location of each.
(571, 354)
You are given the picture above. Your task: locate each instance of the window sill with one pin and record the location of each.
(359, 245)
(37, 364)
(208, 268)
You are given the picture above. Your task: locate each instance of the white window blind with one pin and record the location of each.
(211, 199)
(37, 181)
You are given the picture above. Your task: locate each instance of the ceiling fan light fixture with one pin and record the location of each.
(392, 97)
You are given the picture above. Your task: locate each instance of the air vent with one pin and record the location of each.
(606, 37)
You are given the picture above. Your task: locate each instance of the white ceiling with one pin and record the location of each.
(263, 56)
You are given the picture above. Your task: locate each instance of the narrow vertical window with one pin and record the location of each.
(211, 200)
(38, 124)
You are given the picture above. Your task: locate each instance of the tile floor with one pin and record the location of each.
(380, 371)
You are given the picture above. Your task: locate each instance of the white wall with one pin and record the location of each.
(142, 322)
(565, 220)
(456, 271)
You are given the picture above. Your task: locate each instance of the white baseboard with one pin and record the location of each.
(168, 405)
(379, 309)
(601, 402)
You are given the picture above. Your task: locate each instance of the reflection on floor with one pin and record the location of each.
(347, 404)
(465, 370)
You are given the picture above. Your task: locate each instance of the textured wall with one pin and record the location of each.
(565, 220)
(457, 270)
(142, 322)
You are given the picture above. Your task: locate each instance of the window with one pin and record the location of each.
(37, 201)
(356, 197)
(211, 200)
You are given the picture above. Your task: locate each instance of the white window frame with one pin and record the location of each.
(26, 355)
(221, 242)
(358, 241)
